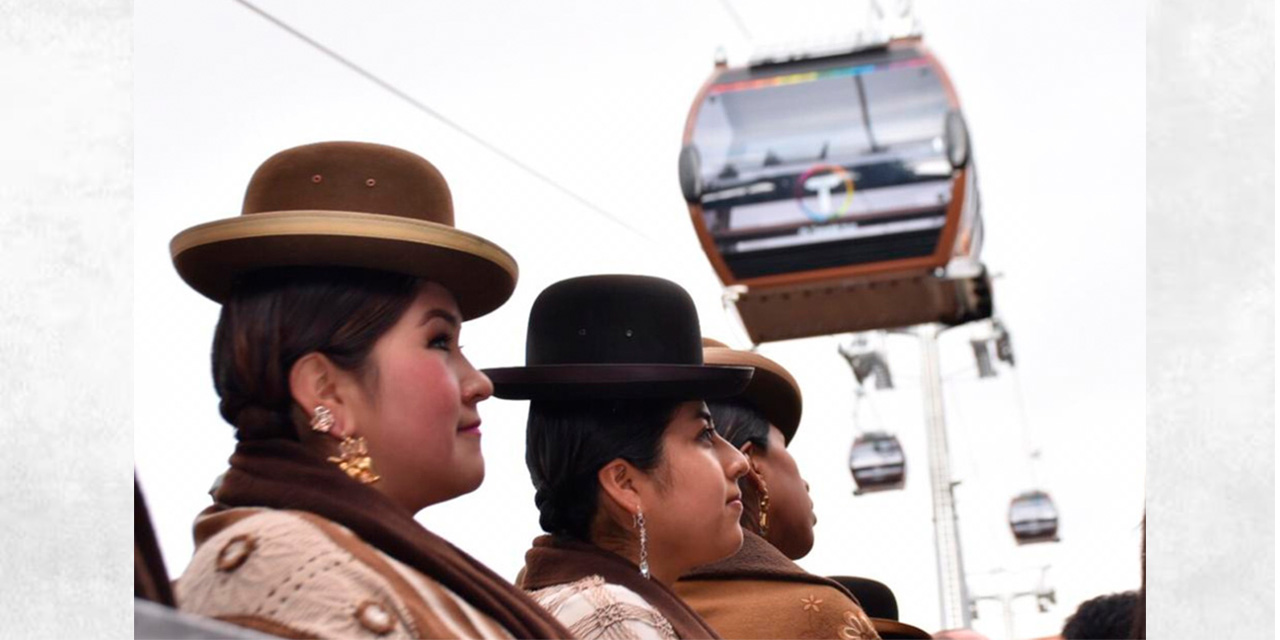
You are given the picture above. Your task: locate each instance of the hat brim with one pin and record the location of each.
(618, 381)
(211, 256)
(890, 629)
(772, 389)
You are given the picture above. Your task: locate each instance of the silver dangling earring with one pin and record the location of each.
(322, 419)
(644, 543)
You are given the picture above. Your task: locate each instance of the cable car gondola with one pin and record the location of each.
(1033, 518)
(837, 193)
(877, 462)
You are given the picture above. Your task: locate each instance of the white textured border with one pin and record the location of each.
(66, 394)
(65, 301)
(1211, 319)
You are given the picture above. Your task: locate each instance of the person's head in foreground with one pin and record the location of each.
(344, 286)
(1102, 618)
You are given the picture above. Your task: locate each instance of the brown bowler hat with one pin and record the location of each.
(347, 204)
(772, 389)
(615, 337)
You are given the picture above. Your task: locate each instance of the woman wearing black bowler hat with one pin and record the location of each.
(634, 485)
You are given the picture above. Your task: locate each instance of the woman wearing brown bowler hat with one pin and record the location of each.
(633, 484)
(760, 592)
(344, 286)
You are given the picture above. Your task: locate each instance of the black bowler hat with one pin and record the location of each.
(879, 603)
(876, 598)
(615, 336)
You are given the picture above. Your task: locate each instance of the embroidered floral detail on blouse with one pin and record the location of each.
(857, 627)
(612, 614)
(811, 603)
(593, 609)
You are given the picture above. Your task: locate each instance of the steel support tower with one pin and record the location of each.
(953, 597)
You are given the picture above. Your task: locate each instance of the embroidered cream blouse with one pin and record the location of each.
(593, 609)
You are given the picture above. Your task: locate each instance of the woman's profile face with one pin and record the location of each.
(417, 405)
(791, 516)
(692, 508)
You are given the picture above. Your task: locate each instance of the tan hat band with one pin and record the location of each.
(340, 223)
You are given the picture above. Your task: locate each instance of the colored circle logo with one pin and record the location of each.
(820, 181)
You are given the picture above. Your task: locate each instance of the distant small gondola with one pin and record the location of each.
(1033, 518)
(877, 462)
(837, 193)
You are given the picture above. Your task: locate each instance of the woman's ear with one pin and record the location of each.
(619, 480)
(314, 381)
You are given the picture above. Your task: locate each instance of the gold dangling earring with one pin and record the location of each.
(355, 460)
(764, 507)
(644, 543)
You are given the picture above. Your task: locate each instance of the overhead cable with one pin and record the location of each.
(492, 148)
(742, 26)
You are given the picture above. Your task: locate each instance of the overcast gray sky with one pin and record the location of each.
(595, 95)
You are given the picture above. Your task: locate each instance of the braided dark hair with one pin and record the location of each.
(275, 317)
(568, 442)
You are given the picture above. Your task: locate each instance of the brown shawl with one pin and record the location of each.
(760, 560)
(556, 560)
(782, 600)
(279, 474)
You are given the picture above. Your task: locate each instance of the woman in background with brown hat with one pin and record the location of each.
(343, 286)
(760, 592)
(633, 484)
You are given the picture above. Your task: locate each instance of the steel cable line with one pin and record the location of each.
(742, 26)
(1030, 436)
(494, 149)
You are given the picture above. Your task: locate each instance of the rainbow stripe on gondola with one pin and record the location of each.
(813, 76)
